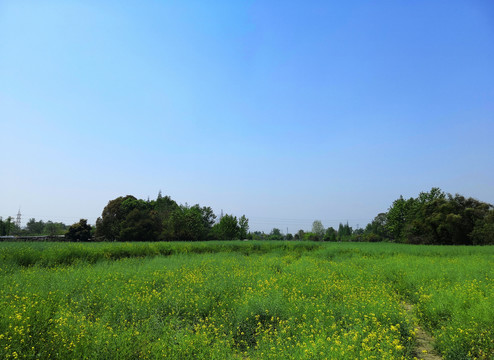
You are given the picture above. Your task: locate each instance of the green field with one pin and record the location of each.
(240, 300)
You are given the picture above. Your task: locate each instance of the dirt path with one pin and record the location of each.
(424, 348)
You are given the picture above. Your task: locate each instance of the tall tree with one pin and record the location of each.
(80, 231)
(54, 228)
(344, 232)
(483, 231)
(243, 223)
(113, 223)
(140, 224)
(275, 234)
(34, 227)
(397, 216)
(6, 226)
(299, 235)
(187, 224)
(330, 234)
(164, 206)
(226, 229)
(318, 229)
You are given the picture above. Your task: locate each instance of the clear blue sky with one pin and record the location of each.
(285, 111)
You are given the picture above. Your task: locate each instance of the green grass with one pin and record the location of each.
(230, 300)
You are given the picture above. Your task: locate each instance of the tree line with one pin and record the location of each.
(131, 219)
(32, 228)
(127, 218)
(432, 217)
(318, 233)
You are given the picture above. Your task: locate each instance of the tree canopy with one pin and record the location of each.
(80, 231)
(434, 217)
(6, 226)
(131, 219)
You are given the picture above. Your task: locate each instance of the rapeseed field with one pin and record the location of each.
(243, 300)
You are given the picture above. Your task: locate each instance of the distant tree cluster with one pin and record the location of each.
(32, 228)
(6, 226)
(434, 218)
(80, 231)
(318, 233)
(40, 227)
(131, 219)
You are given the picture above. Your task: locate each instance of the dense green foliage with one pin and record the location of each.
(32, 228)
(319, 233)
(435, 218)
(80, 231)
(40, 227)
(6, 226)
(131, 219)
(227, 300)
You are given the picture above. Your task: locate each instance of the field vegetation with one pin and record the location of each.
(240, 300)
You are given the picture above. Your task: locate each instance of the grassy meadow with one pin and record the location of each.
(243, 300)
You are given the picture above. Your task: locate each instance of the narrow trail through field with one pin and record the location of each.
(424, 348)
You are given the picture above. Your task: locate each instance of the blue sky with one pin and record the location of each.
(286, 112)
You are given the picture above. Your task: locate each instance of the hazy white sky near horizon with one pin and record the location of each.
(286, 112)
